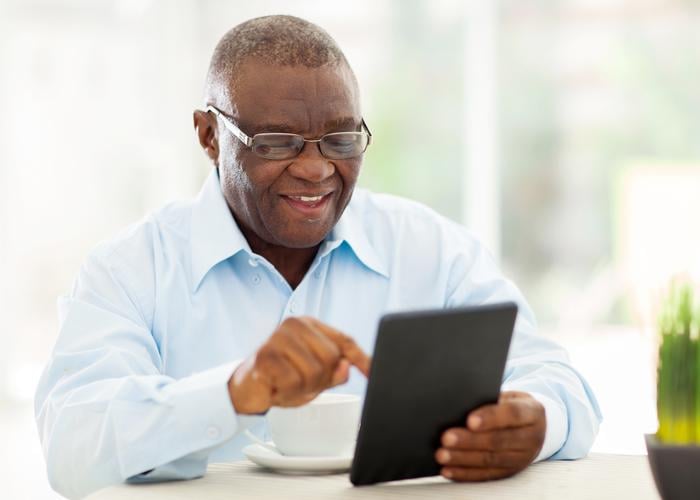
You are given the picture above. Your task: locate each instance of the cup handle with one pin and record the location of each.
(262, 443)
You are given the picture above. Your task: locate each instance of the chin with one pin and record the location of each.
(304, 237)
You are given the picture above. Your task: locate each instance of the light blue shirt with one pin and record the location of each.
(158, 317)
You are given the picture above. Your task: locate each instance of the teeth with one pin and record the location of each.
(307, 199)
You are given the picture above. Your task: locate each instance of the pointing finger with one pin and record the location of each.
(348, 347)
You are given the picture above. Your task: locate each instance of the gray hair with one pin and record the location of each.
(276, 40)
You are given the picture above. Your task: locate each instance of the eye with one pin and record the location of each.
(341, 142)
(277, 146)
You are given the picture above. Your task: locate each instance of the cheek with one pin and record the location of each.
(349, 172)
(232, 153)
(233, 175)
(237, 183)
(247, 180)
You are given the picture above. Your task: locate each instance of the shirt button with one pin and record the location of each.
(317, 274)
(293, 307)
(256, 279)
(213, 432)
(253, 262)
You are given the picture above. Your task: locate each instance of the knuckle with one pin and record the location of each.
(311, 333)
(516, 411)
(291, 382)
(327, 351)
(344, 339)
(266, 355)
(278, 337)
(317, 374)
(465, 440)
(293, 322)
(489, 458)
(523, 437)
(331, 355)
(498, 440)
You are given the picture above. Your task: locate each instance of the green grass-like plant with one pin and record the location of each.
(678, 376)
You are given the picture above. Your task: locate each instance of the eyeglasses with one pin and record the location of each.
(282, 146)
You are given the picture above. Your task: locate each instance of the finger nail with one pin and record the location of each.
(447, 473)
(474, 422)
(450, 439)
(443, 456)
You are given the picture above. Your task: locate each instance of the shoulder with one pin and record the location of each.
(152, 238)
(133, 257)
(125, 268)
(425, 251)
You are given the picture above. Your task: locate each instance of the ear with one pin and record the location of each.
(207, 133)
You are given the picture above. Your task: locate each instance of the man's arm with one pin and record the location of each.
(105, 411)
(107, 414)
(546, 410)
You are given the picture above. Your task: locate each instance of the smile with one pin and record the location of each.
(311, 206)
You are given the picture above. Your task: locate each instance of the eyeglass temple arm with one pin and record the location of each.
(369, 134)
(231, 127)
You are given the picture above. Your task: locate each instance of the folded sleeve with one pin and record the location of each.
(536, 365)
(105, 411)
(557, 425)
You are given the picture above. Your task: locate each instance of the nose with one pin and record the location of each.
(310, 165)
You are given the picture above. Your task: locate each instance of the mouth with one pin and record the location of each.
(310, 205)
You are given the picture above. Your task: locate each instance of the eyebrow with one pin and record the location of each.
(273, 127)
(338, 124)
(342, 123)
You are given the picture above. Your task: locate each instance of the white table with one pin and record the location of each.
(600, 477)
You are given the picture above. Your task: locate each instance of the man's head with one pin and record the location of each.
(281, 74)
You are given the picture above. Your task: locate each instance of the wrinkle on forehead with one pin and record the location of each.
(302, 98)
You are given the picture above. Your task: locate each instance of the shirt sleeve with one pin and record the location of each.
(535, 365)
(105, 411)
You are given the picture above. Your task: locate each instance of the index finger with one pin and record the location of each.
(507, 413)
(348, 347)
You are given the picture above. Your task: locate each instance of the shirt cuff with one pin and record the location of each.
(198, 415)
(557, 426)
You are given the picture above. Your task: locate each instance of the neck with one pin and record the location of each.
(291, 263)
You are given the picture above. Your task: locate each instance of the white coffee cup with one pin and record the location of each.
(327, 426)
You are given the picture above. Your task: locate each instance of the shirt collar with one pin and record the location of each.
(351, 229)
(215, 236)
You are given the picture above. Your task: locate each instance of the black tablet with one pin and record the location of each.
(429, 370)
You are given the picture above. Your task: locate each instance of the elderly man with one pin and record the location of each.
(268, 287)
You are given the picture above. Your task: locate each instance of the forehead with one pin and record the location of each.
(302, 98)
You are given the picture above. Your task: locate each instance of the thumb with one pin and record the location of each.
(341, 373)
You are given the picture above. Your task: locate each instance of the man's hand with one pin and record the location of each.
(302, 358)
(498, 441)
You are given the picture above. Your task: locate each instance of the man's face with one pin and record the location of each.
(263, 194)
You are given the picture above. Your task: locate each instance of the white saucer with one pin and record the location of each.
(296, 465)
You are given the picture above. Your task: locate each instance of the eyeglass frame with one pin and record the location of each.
(248, 141)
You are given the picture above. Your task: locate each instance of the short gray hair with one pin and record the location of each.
(280, 40)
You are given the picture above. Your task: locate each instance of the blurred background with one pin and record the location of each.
(565, 133)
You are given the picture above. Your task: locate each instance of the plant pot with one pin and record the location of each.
(676, 469)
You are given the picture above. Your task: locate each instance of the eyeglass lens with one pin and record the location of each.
(336, 146)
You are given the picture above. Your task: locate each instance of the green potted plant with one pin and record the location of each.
(674, 451)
